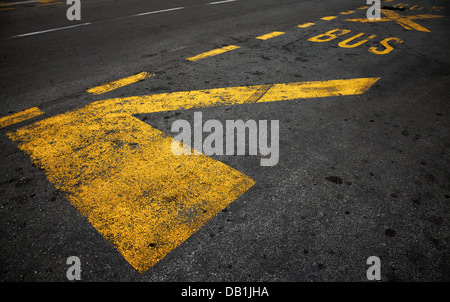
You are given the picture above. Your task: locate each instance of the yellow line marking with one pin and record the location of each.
(306, 25)
(328, 18)
(270, 35)
(405, 21)
(213, 53)
(347, 12)
(19, 116)
(7, 8)
(363, 7)
(52, 3)
(121, 174)
(119, 83)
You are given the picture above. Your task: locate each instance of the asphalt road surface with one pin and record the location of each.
(86, 114)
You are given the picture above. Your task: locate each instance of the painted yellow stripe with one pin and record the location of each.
(121, 174)
(347, 12)
(306, 25)
(270, 35)
(119, 83)
(213, 52)
(328, 18)
(7, 8)
(52, 3)
(19, 116)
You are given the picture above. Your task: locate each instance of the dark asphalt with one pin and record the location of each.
(358, 176)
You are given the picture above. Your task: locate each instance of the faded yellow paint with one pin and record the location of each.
(270, 35)
(347, 12)
(213, 52)
(19, 116)
(121, 174)
(328, 18)
(119, 83)
(304, 25)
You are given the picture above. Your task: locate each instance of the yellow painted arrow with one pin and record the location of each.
(121, 174)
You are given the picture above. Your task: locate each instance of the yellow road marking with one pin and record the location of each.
(270, 35)
(405, 21)
(52, 3)
(328, 18)
(7, 8)
(20, 116)
(213, 52)
(347, 12)
(119, 83)
(121, 174)
(306, 25)
(345, 43)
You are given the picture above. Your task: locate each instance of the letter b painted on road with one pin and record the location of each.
(74, 12)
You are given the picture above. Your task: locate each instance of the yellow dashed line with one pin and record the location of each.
(19, 116)
(52, 3)
(347, 12)
(7, 8)
(119, 83)
(213, 52)
(305, 25)
(270, 35)
(328, 18)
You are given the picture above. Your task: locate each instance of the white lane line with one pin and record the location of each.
(157, 11)
(22, 2)
(220, 2)
(88, 23)
(49, 30)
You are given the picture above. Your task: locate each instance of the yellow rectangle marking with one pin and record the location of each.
(363, 7)
(119, 83)
(306, 25)
(270, 35)
(20, 116)
(347, 12)
(7, 8)
(328, 18)
(213, 52)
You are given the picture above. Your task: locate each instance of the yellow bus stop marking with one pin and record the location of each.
(270, 35)
(119, 83)
(121, 174)
(213, 52)
(405, 21)
(19, 116)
